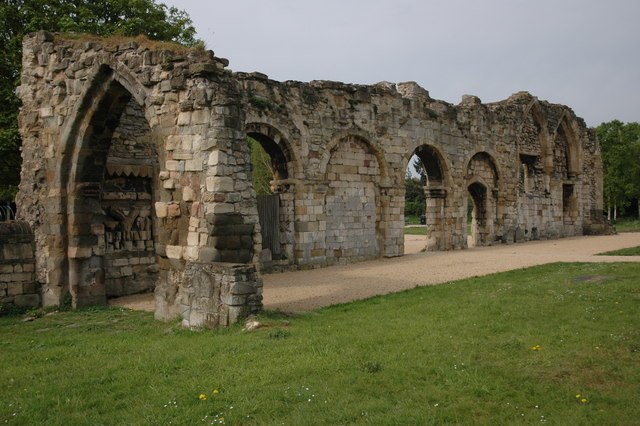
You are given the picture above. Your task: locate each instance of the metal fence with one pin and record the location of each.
(269, 214)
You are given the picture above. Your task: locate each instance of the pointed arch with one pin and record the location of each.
(534, 110)
(86, 140)
(482, 164)
(566, 131)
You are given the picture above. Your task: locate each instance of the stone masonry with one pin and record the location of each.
(137, 173)
(18, 286)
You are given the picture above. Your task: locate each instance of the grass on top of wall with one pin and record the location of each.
(557, 343)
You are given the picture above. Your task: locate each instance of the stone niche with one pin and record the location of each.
(127, 192)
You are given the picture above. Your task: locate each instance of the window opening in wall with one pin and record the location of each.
(528, 172)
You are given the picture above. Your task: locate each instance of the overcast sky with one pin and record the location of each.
(581, 53)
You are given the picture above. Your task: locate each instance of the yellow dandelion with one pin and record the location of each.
(578, 396)
(202, 397)
(584, 400)
(215, 392)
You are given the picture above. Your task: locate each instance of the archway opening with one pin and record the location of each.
(483, 189)
(425, 201)
(275, 198)
(477, 215)
(111, 234)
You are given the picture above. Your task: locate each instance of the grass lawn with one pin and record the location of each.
(512, 348)
(631, 251)
(415, 230)
(412, 220)
(627, 225)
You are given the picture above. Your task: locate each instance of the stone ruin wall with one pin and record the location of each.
(18, 287)
(136, 169)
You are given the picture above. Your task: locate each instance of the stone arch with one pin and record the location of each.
(437, 187)
(278, 146)
(535, 142)
(375, 148)
(566, 148)
(483, 188)
(276, 212)
(87, 141)
(352, 201)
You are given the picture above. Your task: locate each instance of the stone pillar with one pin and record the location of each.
(209, 294)
(435, 215)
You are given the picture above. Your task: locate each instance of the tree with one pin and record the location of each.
(620, 145)
(103, 18)
(415, 202)
(261, 173)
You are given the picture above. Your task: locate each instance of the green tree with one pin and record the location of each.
(261, 173)
(620, 145)
(103, 18)
(415, 202)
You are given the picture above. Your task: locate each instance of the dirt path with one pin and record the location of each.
(306, 290)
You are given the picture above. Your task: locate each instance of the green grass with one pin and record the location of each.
(455, 353)
(412, 220)
(415, 230)
(627, 225)
(631, 251)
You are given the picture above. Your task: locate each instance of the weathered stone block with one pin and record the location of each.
(27, 300)
(174, 252)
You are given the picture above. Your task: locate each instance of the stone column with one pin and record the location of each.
(435, 215)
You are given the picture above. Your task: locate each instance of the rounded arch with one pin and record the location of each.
(363, 137)
(434, 162)
(277, 145)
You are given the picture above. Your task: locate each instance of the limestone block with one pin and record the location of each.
(161, 210)
(187, 194)
(193, 239)
(193, 165)
(217, 157)
(169, 184)
(219, 208)
(219, 184)
(173, 210)
(174, 252)
(174, 165)
(191, 253)
(27, 300)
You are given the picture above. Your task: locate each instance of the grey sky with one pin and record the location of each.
(582, 53)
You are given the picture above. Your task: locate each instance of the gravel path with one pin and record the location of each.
(306, 290)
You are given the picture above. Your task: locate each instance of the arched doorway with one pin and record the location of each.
(482, 201)
(477, 215)
(431, 171)
(111, 236)
(271, 162)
